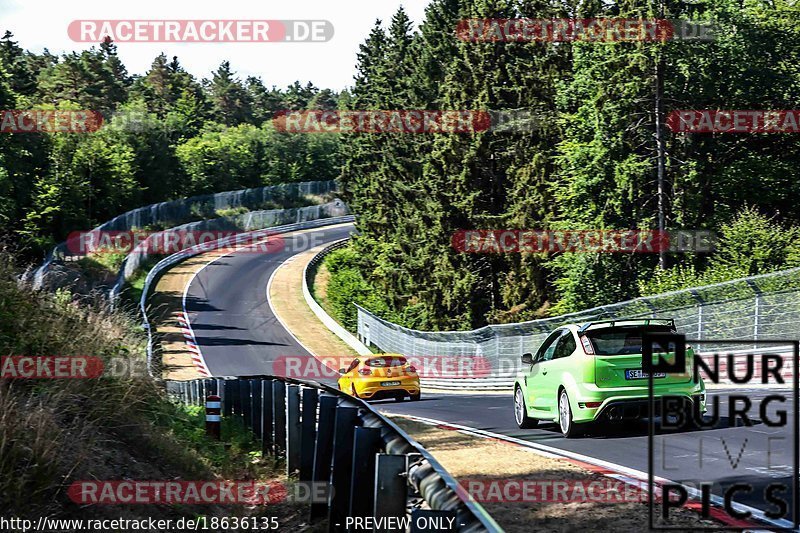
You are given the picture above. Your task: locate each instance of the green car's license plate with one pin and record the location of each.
(641, 374)
(390, 383)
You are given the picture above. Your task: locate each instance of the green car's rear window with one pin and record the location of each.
(621, 341)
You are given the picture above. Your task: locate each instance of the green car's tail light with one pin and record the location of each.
(589, 405)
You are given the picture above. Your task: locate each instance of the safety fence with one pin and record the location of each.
(194, 213)
(153, 359)
(247, 222)
(370, 466)
(757, 308)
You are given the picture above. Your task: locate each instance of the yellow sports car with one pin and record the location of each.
(373, 377)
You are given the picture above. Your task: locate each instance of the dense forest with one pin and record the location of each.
(165, 135)
(592, 164)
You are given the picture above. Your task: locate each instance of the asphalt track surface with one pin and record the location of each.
(239, 334)
(234, 325)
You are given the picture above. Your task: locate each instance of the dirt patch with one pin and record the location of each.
(505, 465)
(288, 303)
(164, 306)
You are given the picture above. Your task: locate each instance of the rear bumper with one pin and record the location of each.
(629, 403)
(374, 390)
(619, 410)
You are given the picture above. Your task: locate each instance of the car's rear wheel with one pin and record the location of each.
(521, 413)
(568, 427)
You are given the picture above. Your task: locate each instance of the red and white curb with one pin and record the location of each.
(191, 343)
(635, 478)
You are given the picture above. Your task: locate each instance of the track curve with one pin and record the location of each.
(239, 334)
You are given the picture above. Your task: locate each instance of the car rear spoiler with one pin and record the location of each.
(626, 322)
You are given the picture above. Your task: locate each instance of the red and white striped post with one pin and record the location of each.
(213, 418)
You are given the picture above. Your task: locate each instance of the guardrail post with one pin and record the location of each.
(308, 433)
(255, 411)
(423, 520)
(342, 466)
(213, 421)
(366, 444)
(391, 487)
(236, 399)
(244, 394)
(227, 404)
(323, 449)
(292, 429)
(266, 417)
(279, 415)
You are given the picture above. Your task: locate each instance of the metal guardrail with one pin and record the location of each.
(177, 211)
(370, 465)
(254, 220)
(153, 366)
(759, 308)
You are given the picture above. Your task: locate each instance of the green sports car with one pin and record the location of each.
(590, 372)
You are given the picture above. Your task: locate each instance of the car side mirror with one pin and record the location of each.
(527, 359)
(342, 370)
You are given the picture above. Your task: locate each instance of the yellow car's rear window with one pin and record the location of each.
(385, 361)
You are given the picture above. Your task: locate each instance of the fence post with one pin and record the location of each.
(279, 415)
(244, 394)
(213, 420)
(756, 320)
(227, 401)
(236, 396)
(255, 409)
(292, 429)
(700, 321)
(342, 466)
(391, 487)
(266, 417)
(366, 444)
(308, 433)
(323, 449)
